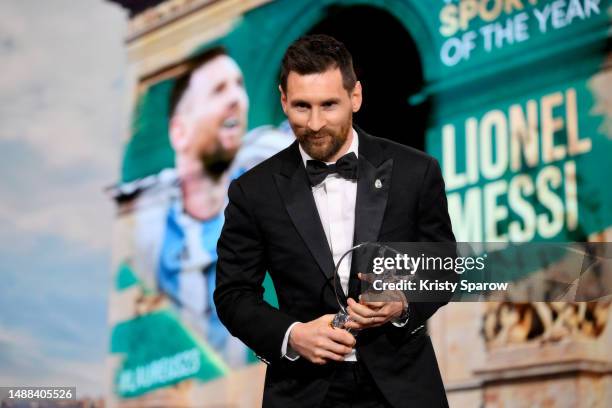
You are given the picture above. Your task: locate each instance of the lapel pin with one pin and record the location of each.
(378, 183)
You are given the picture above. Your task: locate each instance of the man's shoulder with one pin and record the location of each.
(403, 154)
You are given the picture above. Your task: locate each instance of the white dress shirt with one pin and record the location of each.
(335, 200)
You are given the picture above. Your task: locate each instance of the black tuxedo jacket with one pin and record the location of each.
(272, 224)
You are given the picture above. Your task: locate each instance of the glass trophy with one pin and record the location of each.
(364, 259)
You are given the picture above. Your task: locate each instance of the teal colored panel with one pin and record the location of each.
(149, 150)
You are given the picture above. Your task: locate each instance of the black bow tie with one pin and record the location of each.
(346, 167)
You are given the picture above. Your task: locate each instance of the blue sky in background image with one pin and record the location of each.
(64, 89)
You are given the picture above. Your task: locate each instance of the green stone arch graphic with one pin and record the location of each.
(258, 42)
(263, 52)
(554, 48)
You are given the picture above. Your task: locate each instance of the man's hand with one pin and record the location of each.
(372, 314)
(318, 342)
(375, 313)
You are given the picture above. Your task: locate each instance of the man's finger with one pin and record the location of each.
(354, 325)
(366, 321)
(342, 336)
(337, 348)
(370, 301)
(390, 309)
(362, 310)
(372, 305)
(328, 355)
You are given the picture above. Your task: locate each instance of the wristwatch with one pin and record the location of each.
(405, 314)
(403, 318)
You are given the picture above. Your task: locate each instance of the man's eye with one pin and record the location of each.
(219, 88)
(329, 104)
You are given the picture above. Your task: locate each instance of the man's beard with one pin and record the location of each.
(217, 163)
(333, 142)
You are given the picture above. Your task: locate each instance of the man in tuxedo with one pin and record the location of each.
(295, 214)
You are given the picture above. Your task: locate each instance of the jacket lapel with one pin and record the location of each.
(372, 195)
(372, 189)
(295, 190)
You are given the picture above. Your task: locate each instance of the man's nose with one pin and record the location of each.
(236, 95)
(315, 121)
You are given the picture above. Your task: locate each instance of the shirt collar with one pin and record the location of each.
(353, 148)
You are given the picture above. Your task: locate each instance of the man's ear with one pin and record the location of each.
(283, 99)
(356, 97)
(176, 129)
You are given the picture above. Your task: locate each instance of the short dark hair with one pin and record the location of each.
(314, 54)
(181, 82)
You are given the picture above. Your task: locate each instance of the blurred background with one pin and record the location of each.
(123, 122)
(64, 112)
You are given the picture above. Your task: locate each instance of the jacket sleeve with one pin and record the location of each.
(241, 268)
(434, 226)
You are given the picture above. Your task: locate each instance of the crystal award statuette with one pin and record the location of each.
(364, 258)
